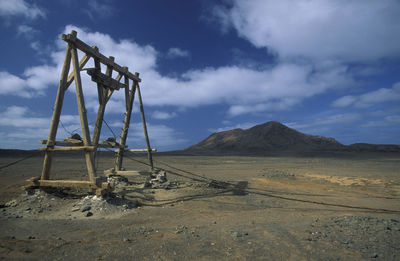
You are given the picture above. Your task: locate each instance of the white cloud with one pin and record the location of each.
(332, 120)
(177, 53)
(163, 115)
(39, 77)
(390, 120)
(34, 81)
(369, 99)
(10, 8)
(12, 85)
(22, 128)
(244, 90)
(318, 29)
(161, 136)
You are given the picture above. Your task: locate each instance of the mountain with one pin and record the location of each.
(270, 137)
(362, 147)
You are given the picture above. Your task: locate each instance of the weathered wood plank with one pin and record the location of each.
(83, 116)
(105, 80)
(73, 39)
(128, 173)
(136, 150)
(129, 98)
(67, 183)
(56, 114)
(74, 148)
(64, 143)
(146, 136)
(82, 64)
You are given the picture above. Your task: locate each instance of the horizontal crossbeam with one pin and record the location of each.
(75, 41)
(73, 148)
(104, 144)
(67, 183)
(105, 80)
(137, 150)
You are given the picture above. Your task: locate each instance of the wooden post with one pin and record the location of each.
(56, 114)
(129, 98)
(83, 116)
(146, 136)
(82, 63)
(104, 96)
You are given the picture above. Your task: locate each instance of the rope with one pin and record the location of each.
(62, 125)
(15, 162)
(229, 185)
(115, 136)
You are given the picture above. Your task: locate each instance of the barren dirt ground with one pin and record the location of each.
(344, 207)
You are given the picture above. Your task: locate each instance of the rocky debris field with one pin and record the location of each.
(40, 204)
(372, 237)
(247, 208)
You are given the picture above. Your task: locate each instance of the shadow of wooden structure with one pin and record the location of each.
(106, 85)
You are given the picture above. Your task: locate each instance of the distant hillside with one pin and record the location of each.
(265, 138)
(373, 147)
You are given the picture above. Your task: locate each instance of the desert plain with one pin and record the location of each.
(338, 206)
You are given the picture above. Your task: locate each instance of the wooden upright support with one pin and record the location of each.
(146, 135)
(56, 115)
(129, 98)
(89, 156)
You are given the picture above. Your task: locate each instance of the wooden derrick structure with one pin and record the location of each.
(106, 85)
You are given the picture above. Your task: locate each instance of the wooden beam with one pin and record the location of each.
(129, 98)
(82, 64)
(56, 114)
(100, 89)
(73, 39)
(146, 136)
(128, 173)
(75, 148)
(64, 143)
(83, 116)
(67, 183)
(137, 150)
(105, 80)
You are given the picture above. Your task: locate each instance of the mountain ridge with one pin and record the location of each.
(274, 137)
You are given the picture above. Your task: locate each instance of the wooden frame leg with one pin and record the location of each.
(56, 115)
(129, 98)
(83, 117)
(146, 136)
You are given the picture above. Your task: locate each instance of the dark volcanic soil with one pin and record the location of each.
(257, 208)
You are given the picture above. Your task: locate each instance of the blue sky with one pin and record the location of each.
(326, 67)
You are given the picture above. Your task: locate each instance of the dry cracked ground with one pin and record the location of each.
(337, 207)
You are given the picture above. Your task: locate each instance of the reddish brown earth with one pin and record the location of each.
(339, 207)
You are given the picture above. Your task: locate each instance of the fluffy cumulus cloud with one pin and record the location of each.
(162, 137)
(318, 29)
(382, 95)
(12, 85)
(22, 128)
(244, 90)
(33, 82)
(9, 8)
